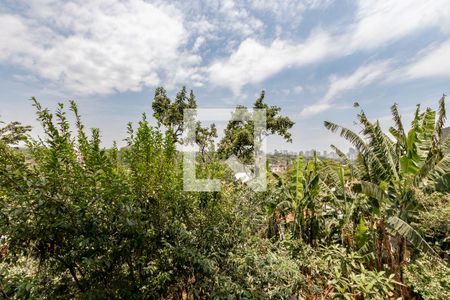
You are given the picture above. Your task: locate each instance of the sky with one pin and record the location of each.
(313, 58)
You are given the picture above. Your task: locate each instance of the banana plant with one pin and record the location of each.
(305, 203)
(390, 171)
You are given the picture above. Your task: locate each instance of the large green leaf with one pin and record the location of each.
(361, 233)
(299, 178)
(400, 227)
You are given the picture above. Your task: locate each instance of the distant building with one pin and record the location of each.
(279, 167)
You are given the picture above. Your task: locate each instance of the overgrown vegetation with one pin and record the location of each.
(81, 221)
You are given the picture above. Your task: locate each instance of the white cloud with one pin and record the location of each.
(376, 24)
(362, 77)
(253, 61)
(294, 90)
(315, 109)
(98, 46)
(108, 45)
(430, 62)
(217, 19)
(238, 18)
(288, 10)
(435, 62)
(381, 22)
(298, 89)
(199, 41)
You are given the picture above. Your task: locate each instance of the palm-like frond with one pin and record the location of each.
(344, 157)
(328, 174)
(440, 169)
(399, 129)
(427, 131)
(299, 189)
(417, 117)
(341, 155)
(362, 169)
(400, 145)
(436, 166)
(349, 135)
(400, 227)
(442, 116)
(379, 142)
(446, 145)
(380, 145)
(372, 161)
(374, 191)
(387, 148)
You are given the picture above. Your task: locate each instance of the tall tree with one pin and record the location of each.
(204, 138)
(13, 132)
(239, 135)
(170, 113)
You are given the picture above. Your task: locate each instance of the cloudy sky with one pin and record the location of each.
(313, 58)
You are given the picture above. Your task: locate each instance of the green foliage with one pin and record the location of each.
(239, 135)
(428, 278)
(204, 138)
(361, 234)
(392, 173)
(13, 132)
(170, 113)
(350, 279)
(81, 221)
(260, 271)
(432, 221)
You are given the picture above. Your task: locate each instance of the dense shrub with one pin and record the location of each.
(81, 221)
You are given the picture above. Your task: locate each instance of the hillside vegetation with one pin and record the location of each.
(81, 221)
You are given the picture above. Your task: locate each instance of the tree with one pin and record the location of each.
(170, 113)
(13, 132)
(204, 138)
(239, 135)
